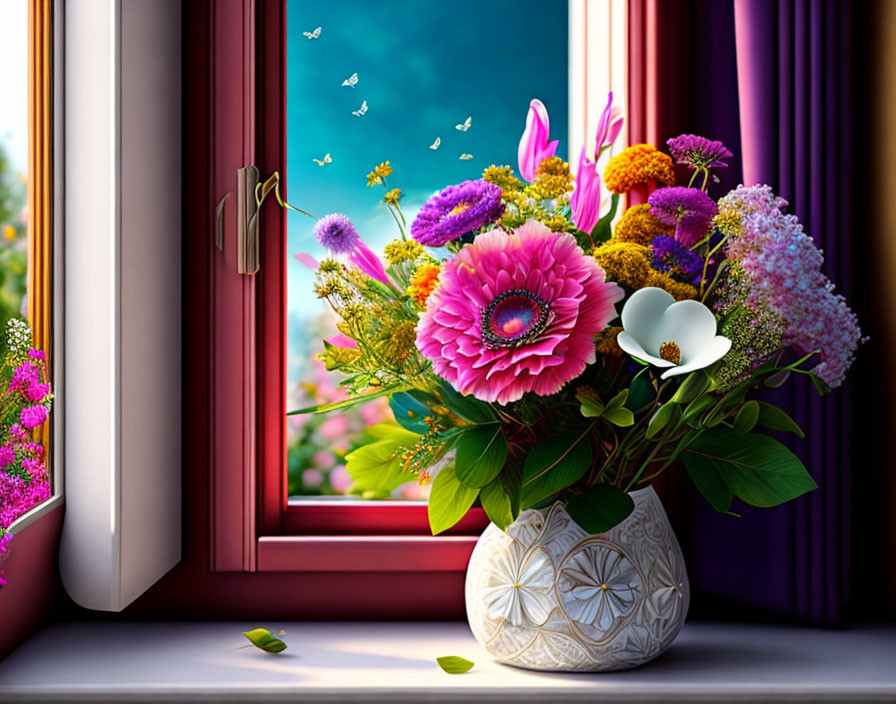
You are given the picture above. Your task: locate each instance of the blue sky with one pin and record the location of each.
(423, 67)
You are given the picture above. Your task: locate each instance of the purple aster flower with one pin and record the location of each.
(337, 233)
(690, 210)
(33, 416)
(455, 211)
(698, 152)
(672, 257)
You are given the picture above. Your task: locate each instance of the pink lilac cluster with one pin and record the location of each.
(516, 312)
(783, 270)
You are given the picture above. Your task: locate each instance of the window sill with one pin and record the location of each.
(393, 662)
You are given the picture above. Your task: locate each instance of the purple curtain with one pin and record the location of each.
(794, 69)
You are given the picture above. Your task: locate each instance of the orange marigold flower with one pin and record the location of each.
(423, 283)
(639, 226)
(639, 163)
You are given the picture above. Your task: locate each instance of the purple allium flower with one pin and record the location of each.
(33, 416)
(698, 152)
(782, 268)
(690, 210)
(672, 257)
(457, 210)
(337, 233)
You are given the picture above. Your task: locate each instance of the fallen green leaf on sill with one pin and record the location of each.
(264, 640)
(454, 664)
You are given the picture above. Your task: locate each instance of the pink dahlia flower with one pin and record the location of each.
(516, 312)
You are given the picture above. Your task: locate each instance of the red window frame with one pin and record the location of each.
(253, 527)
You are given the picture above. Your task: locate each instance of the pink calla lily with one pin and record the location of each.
(341, 340)
(608, 126)
(365, 259)
(307, 260)
(585, 200)
(535, 146)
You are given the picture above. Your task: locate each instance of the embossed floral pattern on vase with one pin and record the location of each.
(546, 595)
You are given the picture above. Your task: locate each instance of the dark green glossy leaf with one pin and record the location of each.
(497, 503)
(774, 418)
(600, 507)
(409, 412)
(820, 386)
(757, 468)
(619, 399)
(555, 464)
(745, 419)
(695, 408)
(467, 407)
(264, 640)
(375, 467)
(481, 451)
(454, 664)
(449, 500)
(602, 231)
(708, 480)
(591, 406)
(694, 384)
(664, 415)
(641, 391)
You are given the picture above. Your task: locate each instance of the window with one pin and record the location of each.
(278, 103)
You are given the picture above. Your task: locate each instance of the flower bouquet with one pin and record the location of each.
(540, 353)
(25, 404)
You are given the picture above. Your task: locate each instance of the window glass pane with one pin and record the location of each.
(423, 68)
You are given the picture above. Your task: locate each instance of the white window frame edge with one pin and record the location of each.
(56, 467)
(121, 278)
(598, 63)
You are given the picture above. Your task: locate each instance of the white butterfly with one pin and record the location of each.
(361, 110)
(351, 81)
(465, 125)
(313, 35)
(435, 145)
(465, 157)
(326, 160)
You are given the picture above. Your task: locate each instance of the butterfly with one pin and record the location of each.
(313, 35)
(435, 145)
(465, 157)
(351, 81)
(326, 160)
(361, 110)
(465, 125)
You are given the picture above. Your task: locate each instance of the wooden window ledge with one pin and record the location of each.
(395, 662)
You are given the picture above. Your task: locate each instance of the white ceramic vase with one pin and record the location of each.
(546, 595)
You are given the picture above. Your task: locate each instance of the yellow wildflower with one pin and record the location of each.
(392, 196)
(679, 291)
(503, 177)
(638, 164)
(373, 179)
(552, 180)
(399, 251)
(402, 340)
(639, 226)
(423, 283)
(728, 222)
(335, 357)
(330, 266)
(9, 233)
(605, 342)
(383, 170)
(625, 263)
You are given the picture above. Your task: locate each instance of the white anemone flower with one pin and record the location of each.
(679, 335)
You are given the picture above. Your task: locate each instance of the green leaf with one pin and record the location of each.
(264, 640)
(555, 464)
(664, 415)
(591, 406)
(820, 386)
(467, 407)
(619, 416)
(778, 378)
(600, 507)
(709, 481)
(619, 399)
(374, 467)
(454, 664)
(602, 231)
(757, 468)
(449, 500)
(745, 419)
(774, 418)
(481, 452)
(695, 384)
(641, 391)
(409, 412)
(695, 408)
(347, 403)
(497, 503)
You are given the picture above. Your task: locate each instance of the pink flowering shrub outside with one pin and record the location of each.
(25, 401)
